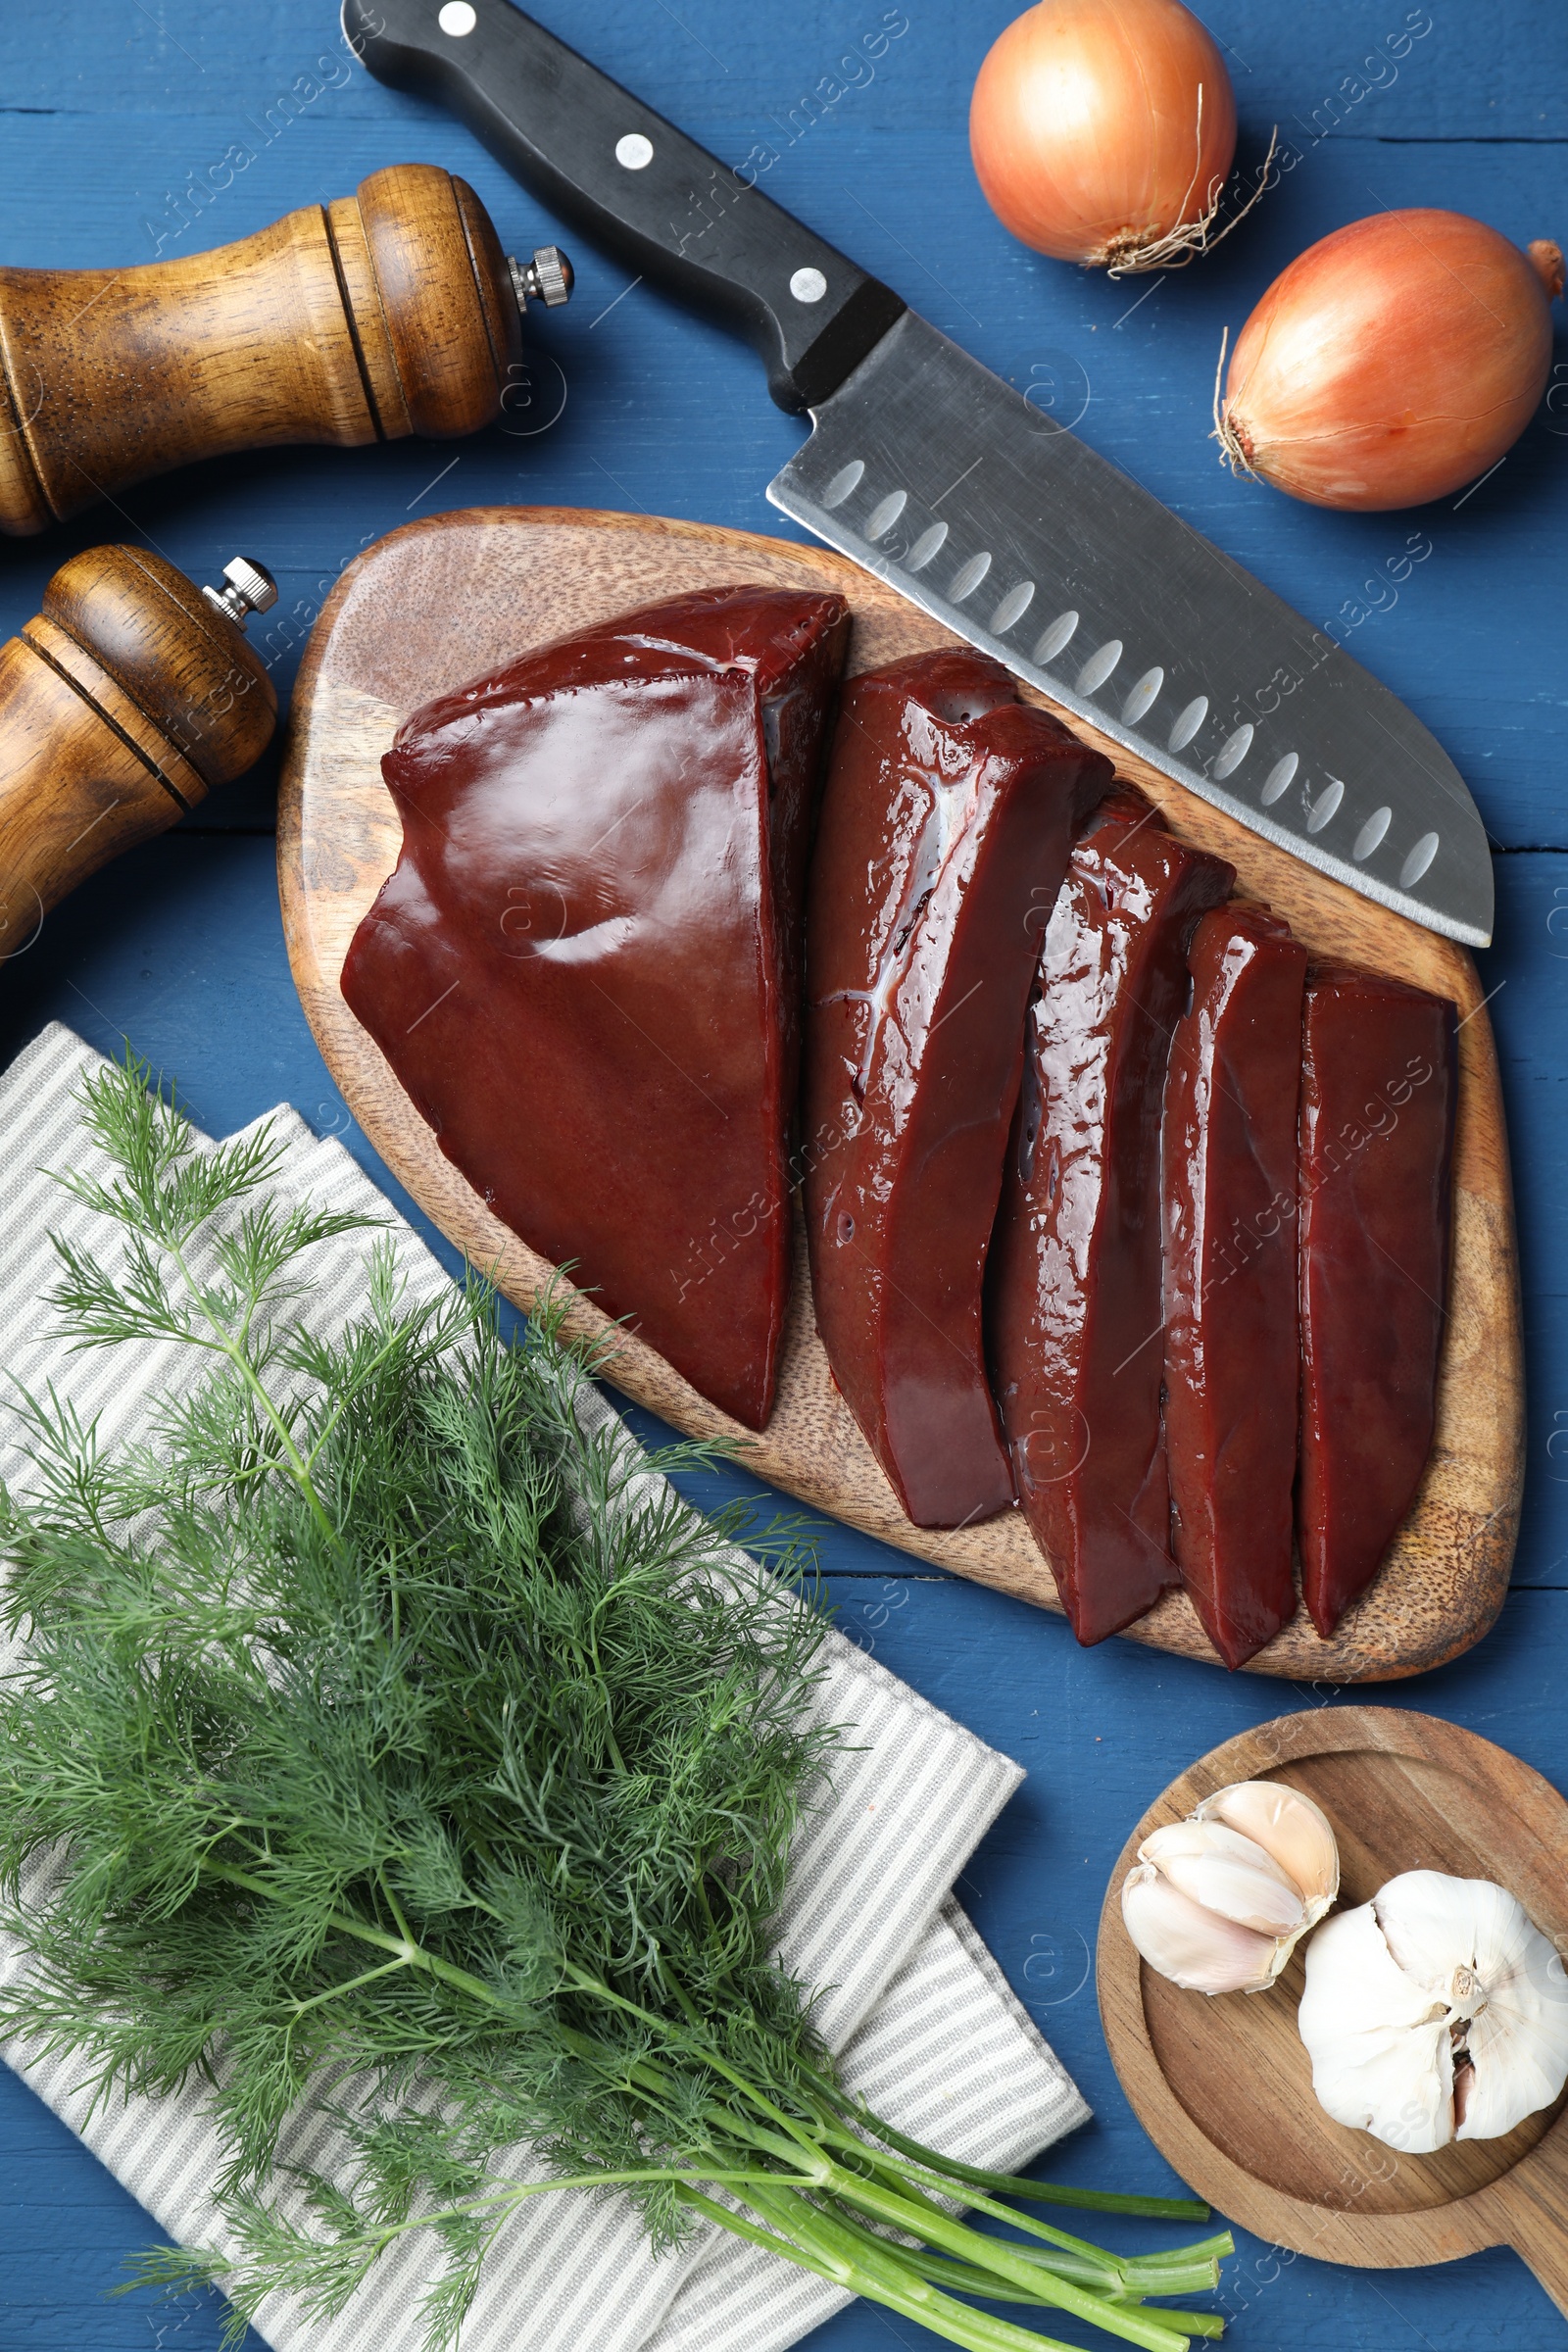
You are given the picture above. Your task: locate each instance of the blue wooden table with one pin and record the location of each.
(137, 126)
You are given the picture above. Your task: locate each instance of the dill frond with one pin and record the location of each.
(400, 1741)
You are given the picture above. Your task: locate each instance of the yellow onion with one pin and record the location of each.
(1102, 130)
(1392, 363)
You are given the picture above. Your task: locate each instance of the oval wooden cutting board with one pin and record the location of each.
(440, 600)
(1224, 2086)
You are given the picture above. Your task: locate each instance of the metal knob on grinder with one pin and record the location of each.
(251, 589)
(387, 312)
(122, 703)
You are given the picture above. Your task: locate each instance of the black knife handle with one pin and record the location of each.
(613, 168)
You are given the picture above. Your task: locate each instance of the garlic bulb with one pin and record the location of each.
(1218, 1903)
(1438, 2011)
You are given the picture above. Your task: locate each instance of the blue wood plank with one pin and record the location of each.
(68, 2231)
(108, 111)
(1499, 71)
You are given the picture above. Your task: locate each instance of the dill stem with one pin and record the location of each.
(837, 2273)
(912, 2179)
(883, 2273)
(404, 1950)
(1205, 2271)
(941, 2271)
(335, 1992)
(239, 1357)
(1044, 2192)
(515, 2193)
(1182, 2270)
(703, 2050)
(344, 1922)
(966, 2280)
(996, 2255)
(914, 2213)
(992, 2255)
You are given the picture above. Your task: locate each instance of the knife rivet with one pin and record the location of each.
(807, 285)
(633, 152)
(457, 18)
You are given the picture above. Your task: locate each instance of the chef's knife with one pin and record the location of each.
(945, 482)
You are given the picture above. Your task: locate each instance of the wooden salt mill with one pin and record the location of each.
(122, 703)
(387, 312)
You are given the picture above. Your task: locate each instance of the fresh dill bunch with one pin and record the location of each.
(404, 1748)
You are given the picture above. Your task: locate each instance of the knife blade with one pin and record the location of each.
(941, 479)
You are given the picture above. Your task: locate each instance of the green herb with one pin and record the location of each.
(403, 1753)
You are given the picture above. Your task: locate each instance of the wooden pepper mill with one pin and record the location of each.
(388, 313)
(122, 703)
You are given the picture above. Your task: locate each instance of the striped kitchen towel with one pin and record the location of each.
(914, 2006)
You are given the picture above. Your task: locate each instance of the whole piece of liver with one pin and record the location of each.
(585, 967)
(1075, 1279)
(947, 825)
(1232, 1361)
(1379, 1078)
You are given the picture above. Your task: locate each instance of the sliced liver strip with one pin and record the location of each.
(1232, 1354)
(947, 825)
(1378, 1081)
(1076, 1265)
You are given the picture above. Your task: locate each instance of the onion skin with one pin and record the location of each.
(1393, 363)
(1087, 135)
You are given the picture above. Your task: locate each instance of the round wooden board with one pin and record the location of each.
(1223, 2086)
(439, 601)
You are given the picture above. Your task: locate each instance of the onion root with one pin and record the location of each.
(1233, 450)
(1133, 251)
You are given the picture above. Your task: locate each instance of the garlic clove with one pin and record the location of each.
(1193, 1947)
(1475, 1946)
(1226, 1873)
(1222, 1899)
(1517, 2035)
(1436, 1926)
(1290, 1828)
(1379, 2041)
(1433, 1924)
(1515, 2070)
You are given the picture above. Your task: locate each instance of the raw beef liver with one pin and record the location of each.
(1232, 1357)
(1075, 1271)
(946, 825)
(1379, 1082)
(585, 968)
